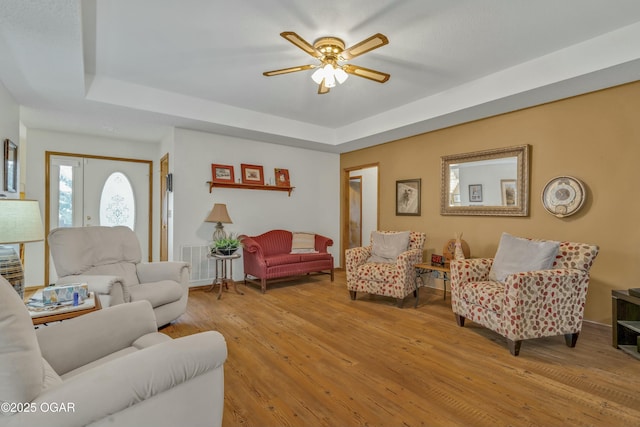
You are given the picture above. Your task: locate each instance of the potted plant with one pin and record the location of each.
(226, 246)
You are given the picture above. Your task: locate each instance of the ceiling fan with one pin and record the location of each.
(331, 52)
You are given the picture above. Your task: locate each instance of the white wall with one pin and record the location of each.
(9, 129)
(314, 204)
(40, 141)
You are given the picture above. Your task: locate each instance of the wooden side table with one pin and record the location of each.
(66, 312)
(437, 272)
(224, 264)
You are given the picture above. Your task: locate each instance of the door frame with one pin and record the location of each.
(353, 178)
(47, 197)
(164, 208)
(345, 202)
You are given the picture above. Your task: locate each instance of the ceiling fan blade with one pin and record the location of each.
(288, 70)
(367, 45)
(377, 76)
(322, 89)
(301, 43)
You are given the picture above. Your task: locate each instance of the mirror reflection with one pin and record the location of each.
(492, 182)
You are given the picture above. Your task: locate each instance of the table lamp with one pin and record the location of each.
(219, 215)
(20, 222)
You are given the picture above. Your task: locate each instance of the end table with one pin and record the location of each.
(437, 272)
(224, 264)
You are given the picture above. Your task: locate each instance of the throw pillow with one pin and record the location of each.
(385, 247)
(303, 243)
(21, 370)
(518, 255)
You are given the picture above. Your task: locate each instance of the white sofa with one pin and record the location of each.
(108, 259)
(110, 367)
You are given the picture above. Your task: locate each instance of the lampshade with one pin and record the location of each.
(219, 214)
(20, 221)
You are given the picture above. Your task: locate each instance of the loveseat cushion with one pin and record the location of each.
(318, 256)
(21, 369)
(157, 293)
(283, 259)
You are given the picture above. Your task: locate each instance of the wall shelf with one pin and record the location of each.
(248, 186)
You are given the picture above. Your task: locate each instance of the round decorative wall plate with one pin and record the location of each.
(563, 196)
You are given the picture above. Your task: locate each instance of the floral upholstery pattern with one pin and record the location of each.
(527, 305)
(394, 280)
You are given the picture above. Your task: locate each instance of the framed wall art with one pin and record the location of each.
(222, 173)
(408, 197)
(282, 177)
(10, 166)
(475, 192)
(252, 174)
(509, 192)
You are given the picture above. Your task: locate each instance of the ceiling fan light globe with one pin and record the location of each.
(330, 81)
(341, 75)
(318, 75)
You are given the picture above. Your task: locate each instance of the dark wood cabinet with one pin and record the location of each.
(625, 322)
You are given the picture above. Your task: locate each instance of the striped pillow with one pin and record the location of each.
(303, 243)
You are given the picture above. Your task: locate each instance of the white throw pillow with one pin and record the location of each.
(519, 255)
(303, 243)
(387, 246)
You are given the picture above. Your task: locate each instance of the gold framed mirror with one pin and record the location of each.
(491, 182)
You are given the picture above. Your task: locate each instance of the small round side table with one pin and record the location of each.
(224, 265)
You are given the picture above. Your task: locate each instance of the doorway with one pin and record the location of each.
(84, 191)
(361, 214)
(166, 186)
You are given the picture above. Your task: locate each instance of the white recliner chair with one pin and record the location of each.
(109, 259)
(107, 368)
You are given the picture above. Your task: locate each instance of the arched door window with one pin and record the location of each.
(117, 202)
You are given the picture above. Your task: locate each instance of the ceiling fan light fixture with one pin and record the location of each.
(329, 51)
(329, 76)
(330, 81)
(341, 75)
(318, 75)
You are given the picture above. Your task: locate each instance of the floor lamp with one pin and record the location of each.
(20, 222)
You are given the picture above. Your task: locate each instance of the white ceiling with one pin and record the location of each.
(136, 68)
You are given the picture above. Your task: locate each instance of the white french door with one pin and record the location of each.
(87, 191)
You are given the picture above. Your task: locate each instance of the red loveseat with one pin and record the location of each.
(269, 256)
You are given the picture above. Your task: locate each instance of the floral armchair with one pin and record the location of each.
(393, 277)
(525, 305)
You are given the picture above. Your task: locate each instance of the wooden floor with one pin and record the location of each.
(304, 354)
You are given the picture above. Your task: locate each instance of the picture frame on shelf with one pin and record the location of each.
(10, 166)
(475, 193)
(282, 177)
(222, 173)
(252, 174)
(408, 197)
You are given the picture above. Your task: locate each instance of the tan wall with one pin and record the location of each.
(594, 137)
